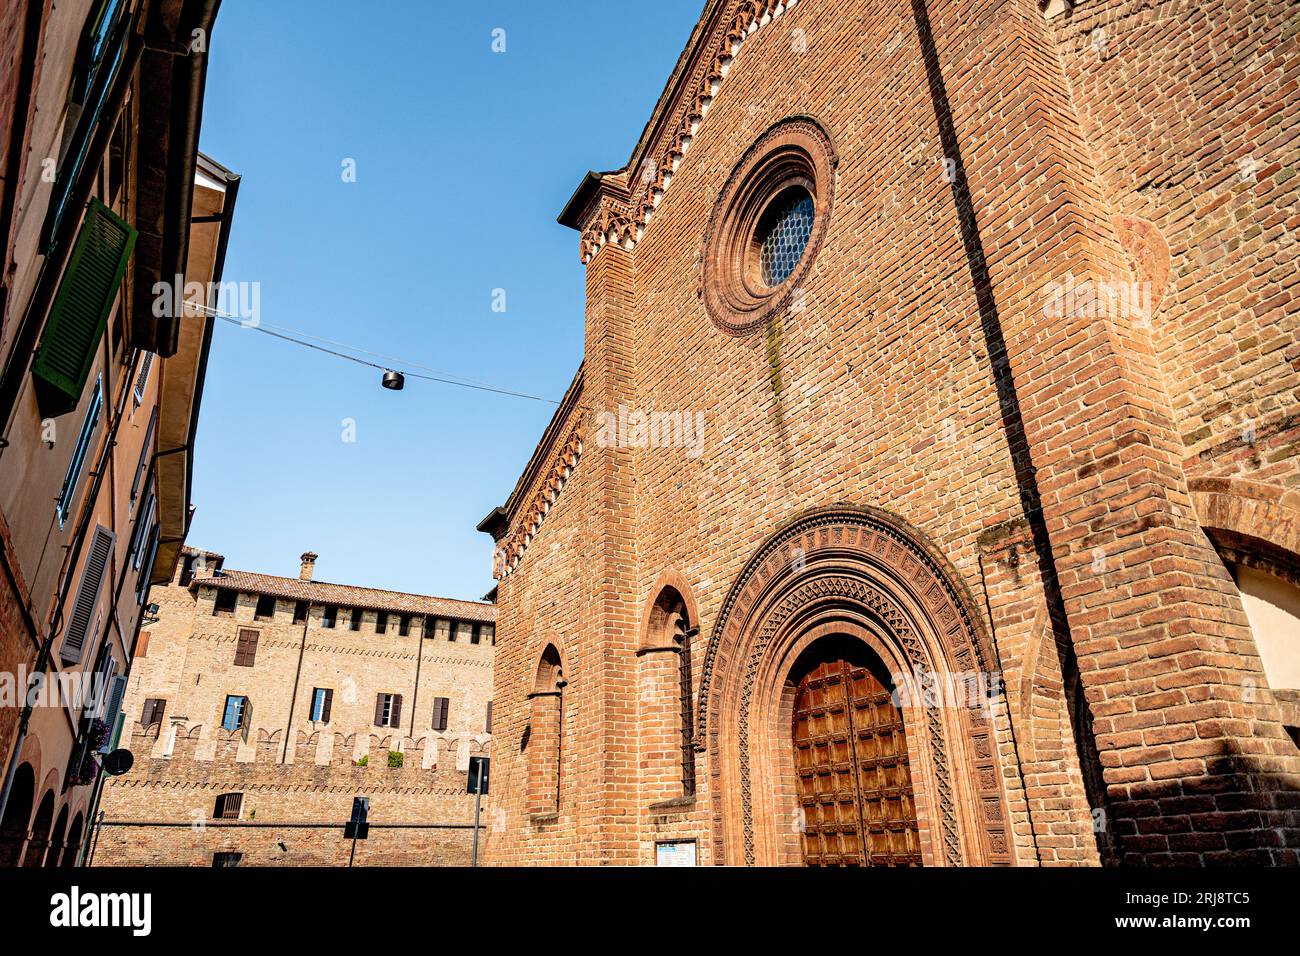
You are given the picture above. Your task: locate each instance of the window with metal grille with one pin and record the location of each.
(783, 233)
(154, 707)
(322, 699)
(80, 452)
(225, 603)
(441, 706)
(246, 648)
(228, 806)
(388, 710)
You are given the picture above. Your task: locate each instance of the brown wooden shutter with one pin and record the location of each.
(83, 606)
(246, 718)
(325, 707)
(379, 710)
(440, 706)
(246, 651)
(488, 727)
(395, 718)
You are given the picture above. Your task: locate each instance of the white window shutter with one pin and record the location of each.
(83, 606)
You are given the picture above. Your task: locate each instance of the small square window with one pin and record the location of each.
(265, 608)
(226, 600)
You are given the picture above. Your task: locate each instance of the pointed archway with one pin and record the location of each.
(862, 574)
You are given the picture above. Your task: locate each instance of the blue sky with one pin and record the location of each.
(463, 159)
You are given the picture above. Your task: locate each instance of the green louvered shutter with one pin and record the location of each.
(81, 309)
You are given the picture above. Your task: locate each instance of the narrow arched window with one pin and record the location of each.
(543, 739)
(667, 700)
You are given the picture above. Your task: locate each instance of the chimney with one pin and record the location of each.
(308, 565)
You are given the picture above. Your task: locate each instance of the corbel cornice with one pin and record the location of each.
(621, 205)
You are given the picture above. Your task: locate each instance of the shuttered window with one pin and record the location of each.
(388, 710)
(80, 452)
(146, 566)
(142, 376)
(140, 535)
(441, 705)
(487, 724)
(154, 708)
(322, 700)
(83, 605)
(142, 467)
(228, 806)
(246, 649)
(99, 61)
(236, 714)
(113, 713)
(80, 311)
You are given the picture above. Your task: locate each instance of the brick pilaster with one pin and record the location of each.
(1196, 765)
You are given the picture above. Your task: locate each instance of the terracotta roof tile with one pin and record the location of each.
(345, 595)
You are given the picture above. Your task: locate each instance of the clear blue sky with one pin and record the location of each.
(464, 157)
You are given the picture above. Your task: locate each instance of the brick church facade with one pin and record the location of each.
(929, 489)
(259, 706)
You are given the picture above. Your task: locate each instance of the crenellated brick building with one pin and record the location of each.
(929, 491)
(260, 706)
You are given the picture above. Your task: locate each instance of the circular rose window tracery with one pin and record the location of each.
(768, 224)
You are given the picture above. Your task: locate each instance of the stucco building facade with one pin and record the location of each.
(929, 490)
(260, 706)
(103, 196)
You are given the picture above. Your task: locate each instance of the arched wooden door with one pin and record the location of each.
(854, 778)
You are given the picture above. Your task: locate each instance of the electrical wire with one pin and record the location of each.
(445, 378)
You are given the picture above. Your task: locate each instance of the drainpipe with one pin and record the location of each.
(293, 698)
(415, 695)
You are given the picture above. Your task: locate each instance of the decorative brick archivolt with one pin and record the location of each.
(796, 152)
(865, 573)
(623, 219)
(1251, 520)
(511, 551)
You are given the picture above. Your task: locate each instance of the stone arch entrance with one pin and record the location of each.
(856, 574)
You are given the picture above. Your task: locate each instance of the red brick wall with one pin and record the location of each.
(923, 373)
